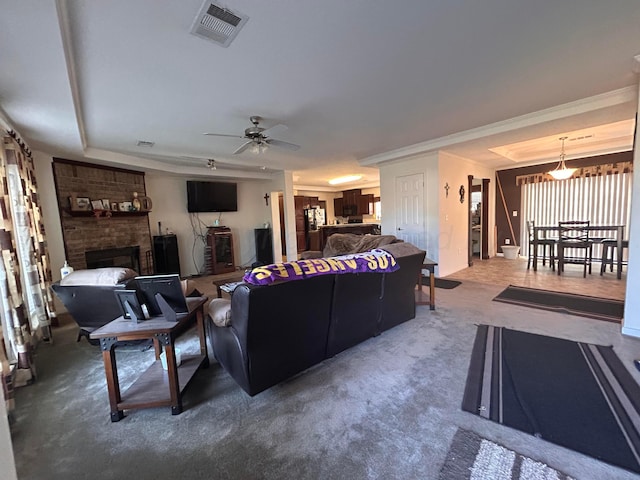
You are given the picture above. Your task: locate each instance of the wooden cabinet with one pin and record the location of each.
(300, 203)
(337, 206)
(353, 203)
(365, 204)
(219, 251)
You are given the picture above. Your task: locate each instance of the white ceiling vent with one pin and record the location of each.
(218, 24)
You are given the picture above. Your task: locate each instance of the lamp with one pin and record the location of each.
(561, 172)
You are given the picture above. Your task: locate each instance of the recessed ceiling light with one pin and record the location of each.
(345, 179)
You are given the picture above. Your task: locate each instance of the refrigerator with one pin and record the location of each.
(313, 218)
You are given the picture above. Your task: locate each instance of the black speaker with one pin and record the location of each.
(264, 246)
(165, 254)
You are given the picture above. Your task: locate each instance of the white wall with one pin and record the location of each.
(428, 166)
(631, 321)
(446, 219)
(454, 220)
(169, 196)
(43, 164)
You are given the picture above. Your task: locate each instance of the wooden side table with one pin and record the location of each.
(430, 265)
(150, 389)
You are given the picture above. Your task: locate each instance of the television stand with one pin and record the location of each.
(219, 251)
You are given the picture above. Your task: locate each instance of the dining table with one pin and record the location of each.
(597, 233)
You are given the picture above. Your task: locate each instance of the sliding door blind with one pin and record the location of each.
(603, 200)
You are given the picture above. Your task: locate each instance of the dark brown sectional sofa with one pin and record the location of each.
(269, 333)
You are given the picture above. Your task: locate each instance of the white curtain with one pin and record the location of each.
(603, 200)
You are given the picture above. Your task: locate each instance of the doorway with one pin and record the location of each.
(410, 209)
(478, 203)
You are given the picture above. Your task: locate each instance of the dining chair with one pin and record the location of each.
(574, 236)
(544, 242)
(609, 253)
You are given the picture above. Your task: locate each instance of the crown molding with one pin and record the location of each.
(585, 105)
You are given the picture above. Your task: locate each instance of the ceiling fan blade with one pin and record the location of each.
(275, 131)
(243, 147)
(223, 135)
(281, 144)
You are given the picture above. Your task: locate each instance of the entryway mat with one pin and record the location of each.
(583, 305)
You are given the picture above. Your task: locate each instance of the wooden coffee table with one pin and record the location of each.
(150, 389)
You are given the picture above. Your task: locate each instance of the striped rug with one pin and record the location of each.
(573, 394)
(472, 457)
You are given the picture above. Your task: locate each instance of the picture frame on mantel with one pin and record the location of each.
(79, 204)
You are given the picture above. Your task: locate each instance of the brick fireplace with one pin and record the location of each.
(123, 239)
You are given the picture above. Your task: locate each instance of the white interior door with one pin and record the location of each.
(410, 209)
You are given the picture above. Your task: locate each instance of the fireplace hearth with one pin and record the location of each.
(128, 257)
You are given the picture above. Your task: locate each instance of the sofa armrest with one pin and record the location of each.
(220, 312)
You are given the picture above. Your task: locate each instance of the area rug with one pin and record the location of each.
(442, 283)
(583, 305)
(576, 395)
(472, 457)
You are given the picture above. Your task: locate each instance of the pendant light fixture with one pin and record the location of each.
(561, 172)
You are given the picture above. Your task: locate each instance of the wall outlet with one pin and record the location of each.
(507, 241)
(514, 213)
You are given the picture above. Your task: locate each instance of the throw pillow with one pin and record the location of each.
(98, 276)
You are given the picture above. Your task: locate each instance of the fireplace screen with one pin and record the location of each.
(128, 257)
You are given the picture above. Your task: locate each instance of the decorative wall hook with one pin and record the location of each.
(461, 191)
(446, 189)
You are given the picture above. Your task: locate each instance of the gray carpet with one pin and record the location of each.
(387, 408)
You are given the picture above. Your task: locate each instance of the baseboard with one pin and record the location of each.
(631, 332)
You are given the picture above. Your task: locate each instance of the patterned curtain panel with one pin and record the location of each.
(26, 305)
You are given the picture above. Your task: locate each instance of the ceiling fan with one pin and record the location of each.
(258, 138)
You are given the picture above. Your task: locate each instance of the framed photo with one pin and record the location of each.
(124, 206)
(106, 205)
(96, 204)
(130, 304)
(79, 203)
(114, 206)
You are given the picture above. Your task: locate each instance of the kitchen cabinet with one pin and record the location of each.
(337, 206)
(365, 204)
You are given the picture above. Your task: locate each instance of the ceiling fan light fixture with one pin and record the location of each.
(345, 179)
(258, 147)
(561, 172)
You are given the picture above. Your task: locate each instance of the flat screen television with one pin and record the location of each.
(212, 197)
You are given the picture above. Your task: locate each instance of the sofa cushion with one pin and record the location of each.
(220, 312)
(366, 262)
(98, 276)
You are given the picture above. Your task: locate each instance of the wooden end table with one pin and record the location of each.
(430, 265)
(150, 389)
